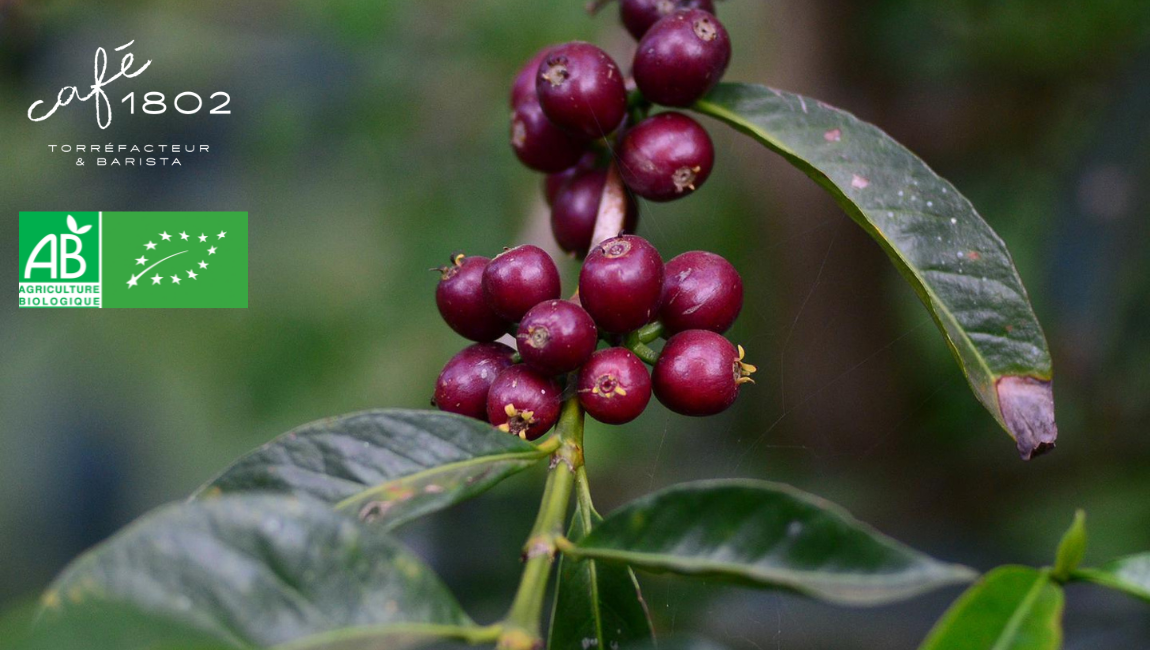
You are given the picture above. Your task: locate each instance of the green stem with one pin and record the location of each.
(521, 629)
(650, 332)
(634, 342)
(637, 106)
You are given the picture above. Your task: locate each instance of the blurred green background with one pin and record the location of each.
(368, 141)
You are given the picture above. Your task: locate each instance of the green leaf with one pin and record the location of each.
(596, 605)
(956, 263)
(245, 571)
(1130, 575)
(389, 466)
(1012, 608)
(765, 535)
(1072, 548)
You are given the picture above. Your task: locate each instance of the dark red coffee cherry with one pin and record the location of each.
(518, 279)
(464, 382)
(541, 145)
(554, 182)
(614, 386)
(523, 402)
(639, 15)
(524, 85)
(575, 209)
(459, 297)
(701, 291)
(666, 157)
(621, 282)
(681, 58)
(556, 336)
(699, 373)
(581, 89)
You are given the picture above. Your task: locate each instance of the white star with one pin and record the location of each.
(184, 236)
(141, 260)
(156, 278)
(191, 275)
(176, 279)
(149, 245)
(203, 238)
(132, 281)
(221, 235)
(203, 264)
(212, 250)
(165, 236)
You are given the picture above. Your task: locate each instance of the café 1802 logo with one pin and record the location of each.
(150, 103)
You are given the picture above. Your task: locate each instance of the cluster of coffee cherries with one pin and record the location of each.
(587, 346)
(568, 98)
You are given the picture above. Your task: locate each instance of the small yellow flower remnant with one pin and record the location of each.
(745, 370)
(517, 421)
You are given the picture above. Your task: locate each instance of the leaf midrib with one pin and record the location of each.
(469, 633)
(593, 573)
(1021, 612)
(347, 502)
(782, 577)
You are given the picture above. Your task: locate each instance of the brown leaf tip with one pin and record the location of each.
(1027, 407)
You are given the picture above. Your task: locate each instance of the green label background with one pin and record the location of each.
(223, 284)
(35, 225)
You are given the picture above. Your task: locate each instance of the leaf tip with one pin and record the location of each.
(964, 574)
(1027, 408)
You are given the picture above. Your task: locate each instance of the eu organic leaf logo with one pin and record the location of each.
(176, 278)
(75, 228)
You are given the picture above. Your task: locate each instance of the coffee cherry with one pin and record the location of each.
(464, 382)
(554, 182)
(621, 282)
(575, 209)
(518, 279)
(524, 85)
(581, 89)
(666, 157)
(459, 297)
(701, 291)
(639, 15)
(556, 336)
(523, 402)
(541, 145)
(681, 58)
(699, 373)
(614, 386)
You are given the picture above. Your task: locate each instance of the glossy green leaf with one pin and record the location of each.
(389, 466)
(597, 605)
(956, 263)
(1129, 575)
(1012, 608)
(245, 571)
(1072, 548)
(765, 535)
(118, 628)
